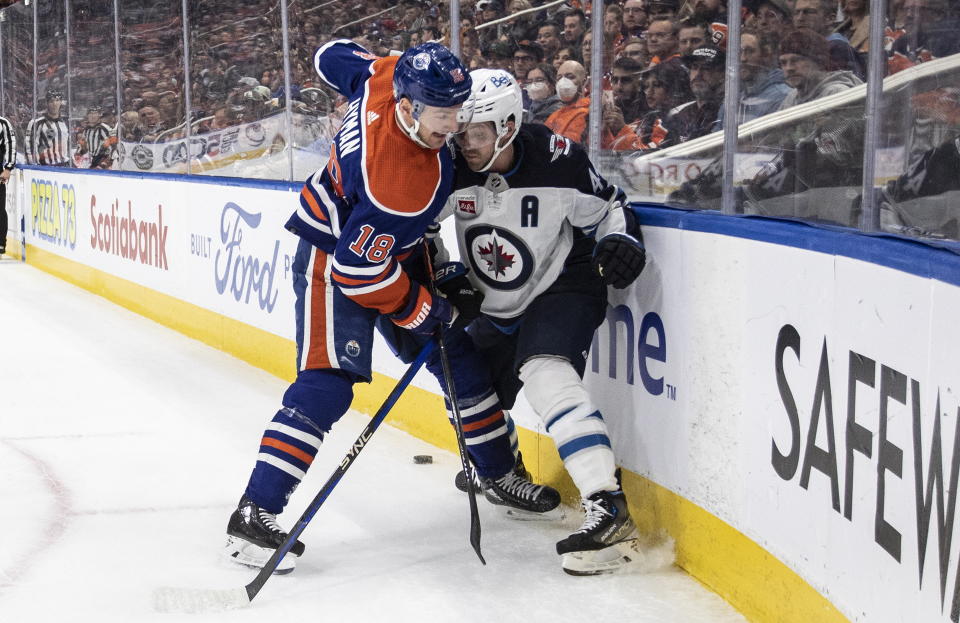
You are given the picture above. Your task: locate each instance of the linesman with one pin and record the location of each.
(47, 137)
(93, 138)
(8, 154)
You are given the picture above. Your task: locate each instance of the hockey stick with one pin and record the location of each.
(192, 600)
(457, 420)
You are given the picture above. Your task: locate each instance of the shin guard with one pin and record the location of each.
(555, 391)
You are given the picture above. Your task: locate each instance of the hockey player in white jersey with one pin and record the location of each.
(544, 234)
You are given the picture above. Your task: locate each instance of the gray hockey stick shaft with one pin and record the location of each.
(172, 599)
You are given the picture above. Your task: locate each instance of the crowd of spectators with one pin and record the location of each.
(662, 60)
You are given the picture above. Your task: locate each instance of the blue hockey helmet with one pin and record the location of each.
(434, 81)
(429, 74)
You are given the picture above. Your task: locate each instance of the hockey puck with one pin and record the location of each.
(421, 459)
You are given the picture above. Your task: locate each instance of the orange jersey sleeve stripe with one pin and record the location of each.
(351, 281)
(312, 202)
(487, 421)
(386, 300)
(293, 451)
(317, 354)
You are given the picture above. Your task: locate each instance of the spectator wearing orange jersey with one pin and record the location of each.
(570, 120)
(662, 41)
(665, 86)
(626, 106)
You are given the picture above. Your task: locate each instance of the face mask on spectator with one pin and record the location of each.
(538, 90)
(566, 89)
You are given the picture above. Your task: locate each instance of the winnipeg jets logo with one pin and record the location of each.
(498, 257)
(497, 260)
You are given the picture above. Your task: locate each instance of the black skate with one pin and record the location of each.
(521, 498)
(253, 535)
(607, 539)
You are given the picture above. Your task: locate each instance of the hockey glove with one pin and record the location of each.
(452, 282)
(423, 313)
(619, 259)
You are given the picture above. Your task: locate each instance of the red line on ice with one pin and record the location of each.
(56, 524)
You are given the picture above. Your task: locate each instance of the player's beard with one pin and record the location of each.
(476, 158)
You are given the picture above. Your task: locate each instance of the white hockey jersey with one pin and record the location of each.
(516, 230)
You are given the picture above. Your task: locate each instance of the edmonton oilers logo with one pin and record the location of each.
(421, 61)
(498, 257)
(353, 348)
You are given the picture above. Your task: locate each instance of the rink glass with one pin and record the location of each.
(814, 164)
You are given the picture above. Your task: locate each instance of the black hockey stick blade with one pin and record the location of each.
(474, 523)
(194, 600)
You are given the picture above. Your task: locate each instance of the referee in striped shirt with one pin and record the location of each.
(47, 137)
(93, 138)
(8, 153)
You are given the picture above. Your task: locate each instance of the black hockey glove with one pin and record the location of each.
(619, 259)
(452, 283)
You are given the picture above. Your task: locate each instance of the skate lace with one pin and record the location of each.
(518, 486)
(595, 513)
(270, 521)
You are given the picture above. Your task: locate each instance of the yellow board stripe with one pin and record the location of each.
(761, 587)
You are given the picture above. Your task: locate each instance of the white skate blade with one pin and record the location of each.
(169, 599)
(249, 555)
(612, 559)
(517, 514)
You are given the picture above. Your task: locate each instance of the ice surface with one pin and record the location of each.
(124, 446)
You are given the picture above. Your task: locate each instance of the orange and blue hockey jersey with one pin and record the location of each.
(370, 206)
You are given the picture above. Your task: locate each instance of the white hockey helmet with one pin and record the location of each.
(496, 97)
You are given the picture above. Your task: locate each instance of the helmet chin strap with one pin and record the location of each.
(410, 131)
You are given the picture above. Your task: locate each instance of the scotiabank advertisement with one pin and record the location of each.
(222, 248)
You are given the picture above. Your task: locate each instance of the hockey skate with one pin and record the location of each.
(521, 498)
(606, 541)
(253, 534)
